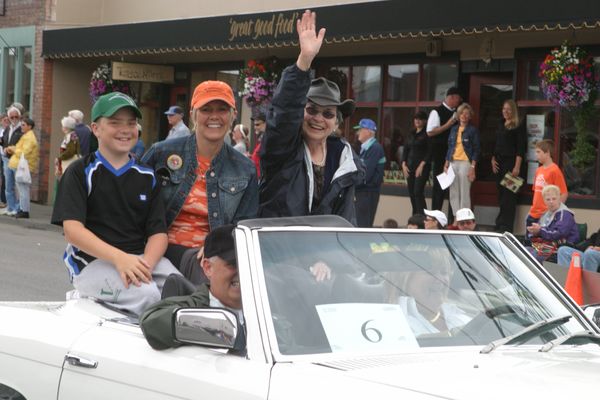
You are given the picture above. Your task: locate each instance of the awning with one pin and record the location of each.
(345, 23)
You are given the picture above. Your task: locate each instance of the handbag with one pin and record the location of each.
(23, 175)
(545, 248)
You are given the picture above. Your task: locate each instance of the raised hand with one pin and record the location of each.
(310, 41)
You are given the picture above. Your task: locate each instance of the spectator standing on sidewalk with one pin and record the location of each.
(28, 147)
(509, 153)
(178, 128)
(373, 158)
(416, 163)
(4, 123)
(10, 137)
(83, 132)
(441, 119)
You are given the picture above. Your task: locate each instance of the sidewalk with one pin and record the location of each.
(39, 219)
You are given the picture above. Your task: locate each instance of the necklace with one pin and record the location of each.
(322, 162)
(435, 317)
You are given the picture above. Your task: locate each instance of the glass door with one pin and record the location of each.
(487, 94)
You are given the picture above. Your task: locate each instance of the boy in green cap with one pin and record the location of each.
(112, 215)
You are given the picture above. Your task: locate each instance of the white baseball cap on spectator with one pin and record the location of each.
(438, 215)
(464, 214)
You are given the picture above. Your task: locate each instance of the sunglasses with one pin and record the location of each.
(313, 111)
(14, 117)
(467, 222)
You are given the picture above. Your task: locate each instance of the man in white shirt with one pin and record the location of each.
(10, 137)
(178, 128)
(441, 119)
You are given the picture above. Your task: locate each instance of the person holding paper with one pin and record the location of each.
(509, 152)
(463, 154)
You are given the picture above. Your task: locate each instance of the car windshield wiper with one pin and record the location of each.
(572, 338)
(527, 333)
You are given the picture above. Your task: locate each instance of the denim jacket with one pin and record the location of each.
(231, 185)
(470, 142)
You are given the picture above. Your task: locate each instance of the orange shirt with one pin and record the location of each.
(459, 150)
(191, 225)
(550, 175)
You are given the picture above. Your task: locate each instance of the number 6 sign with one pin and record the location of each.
(357, 327)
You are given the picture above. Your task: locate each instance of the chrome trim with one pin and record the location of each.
(78, 361)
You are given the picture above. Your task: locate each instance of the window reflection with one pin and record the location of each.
(366, 83)
(402, 82)
(437, 79)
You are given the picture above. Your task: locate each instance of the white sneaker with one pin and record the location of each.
(4, 211)
(11, 213)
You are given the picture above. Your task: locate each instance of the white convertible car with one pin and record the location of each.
(330, 311)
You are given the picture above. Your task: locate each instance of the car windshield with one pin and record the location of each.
(382, 292)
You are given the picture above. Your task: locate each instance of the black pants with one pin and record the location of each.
(366, 207)
(438, 159)
(416, 189)
(507, 200)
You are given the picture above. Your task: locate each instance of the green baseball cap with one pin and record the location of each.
(108, 104)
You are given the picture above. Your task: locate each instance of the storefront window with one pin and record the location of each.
(397, 126)
(26, 78)
(532, 81)
(539, 124)
(366, 84)
(339, 75)
(402, 82)
(437, 79)
(11, 63)
(580, 169)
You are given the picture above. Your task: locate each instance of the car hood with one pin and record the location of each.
(506, 373)
(44, 331)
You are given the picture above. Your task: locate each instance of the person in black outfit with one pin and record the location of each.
(441, 119)
(416, 163)
(511, 144)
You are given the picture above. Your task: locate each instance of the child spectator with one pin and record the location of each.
(547, 173)
(112, 215)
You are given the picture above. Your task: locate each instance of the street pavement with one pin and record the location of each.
(31, 267)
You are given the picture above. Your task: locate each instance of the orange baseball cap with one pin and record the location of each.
(208, 91)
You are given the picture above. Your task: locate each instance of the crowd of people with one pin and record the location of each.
(133, 218)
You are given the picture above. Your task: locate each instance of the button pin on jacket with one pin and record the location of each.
(174, 162)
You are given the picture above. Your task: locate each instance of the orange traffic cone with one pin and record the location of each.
(574, 282)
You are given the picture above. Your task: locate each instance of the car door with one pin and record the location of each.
(114, 361)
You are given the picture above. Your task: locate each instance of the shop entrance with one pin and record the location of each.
(486, 95)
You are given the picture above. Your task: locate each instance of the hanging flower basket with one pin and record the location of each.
(258, 81)
(569, 80)
(102, 83)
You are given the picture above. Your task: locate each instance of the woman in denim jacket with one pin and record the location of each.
(205, 182)
(463, 154)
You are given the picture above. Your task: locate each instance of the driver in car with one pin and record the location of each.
(223, 290)
(422, 293)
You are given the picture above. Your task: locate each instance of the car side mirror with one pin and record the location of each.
(212, 327)
(592, 311)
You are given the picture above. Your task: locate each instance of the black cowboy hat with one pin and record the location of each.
(324, 92)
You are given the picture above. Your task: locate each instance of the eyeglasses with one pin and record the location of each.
(313, 111)
(13, 117)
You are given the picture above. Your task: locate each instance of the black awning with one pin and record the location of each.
(344, 23)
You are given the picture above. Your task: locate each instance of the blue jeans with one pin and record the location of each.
(590, 261)
(24, 190)
(9, 177)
